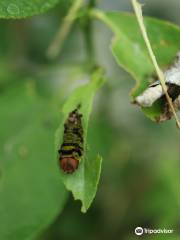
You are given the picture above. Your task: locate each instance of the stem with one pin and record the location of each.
(138, 11)
(92, 3)
(88, 33)
(56, 46)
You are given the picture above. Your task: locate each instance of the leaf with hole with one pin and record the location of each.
(130, 51)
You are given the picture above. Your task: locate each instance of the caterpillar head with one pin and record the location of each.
(69, 164)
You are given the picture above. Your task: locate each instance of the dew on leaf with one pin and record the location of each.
(13, 9)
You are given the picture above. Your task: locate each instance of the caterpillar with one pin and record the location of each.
(71, 149)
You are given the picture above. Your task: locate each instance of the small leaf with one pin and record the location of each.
(24, 8)
(31, 192)
(129, 49)
(83, 182)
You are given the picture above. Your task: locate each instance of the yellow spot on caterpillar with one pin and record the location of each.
(68, 147)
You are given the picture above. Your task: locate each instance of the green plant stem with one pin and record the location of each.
(55, 47)
(92, 3)
(88, 34)
(89, 42)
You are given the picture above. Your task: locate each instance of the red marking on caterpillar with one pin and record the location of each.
(69, 164)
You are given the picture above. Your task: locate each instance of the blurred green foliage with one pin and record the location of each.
(31, 191)
(140, 178)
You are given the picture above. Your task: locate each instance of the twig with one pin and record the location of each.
(92, 3)
(55, 47)
(88, 32)
(138, 11)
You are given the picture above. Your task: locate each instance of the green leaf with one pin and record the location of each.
(24, 8)
(129, 49)
(83, 182)
(31, 191)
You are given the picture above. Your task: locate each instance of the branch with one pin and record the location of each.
(55, 47)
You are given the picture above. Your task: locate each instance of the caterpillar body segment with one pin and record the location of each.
(71, 149)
